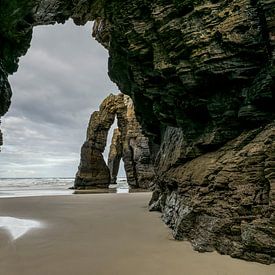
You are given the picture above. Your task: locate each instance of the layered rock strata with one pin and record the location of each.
(93, 171)
(128, 143)
(115, 155)
(223, 200)
(1, 139)
(201, 76)
(134, 148)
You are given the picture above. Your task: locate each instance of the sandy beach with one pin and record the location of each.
(112, 234)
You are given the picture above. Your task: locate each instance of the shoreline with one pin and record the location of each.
(104, 234)
(4, 194)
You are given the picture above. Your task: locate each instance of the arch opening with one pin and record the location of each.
(113, 158)
(60, 81)
(128, 144)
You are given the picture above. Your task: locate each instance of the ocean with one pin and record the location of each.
(26, 187)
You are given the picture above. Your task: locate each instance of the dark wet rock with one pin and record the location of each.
(5, 96)
(1, 139)
(222, 200)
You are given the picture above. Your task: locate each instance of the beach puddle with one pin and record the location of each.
(120, 188)
(18, 227)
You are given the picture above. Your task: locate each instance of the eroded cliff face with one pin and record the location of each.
(203, 66)
(201, 76)
(135, 149)
(222, 200)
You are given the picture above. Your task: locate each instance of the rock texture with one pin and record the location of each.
(115, 155)
(1, 139)
(93, 171)
(201, 76)
(137, 152)
(5, 96)
(223, 200)
(128, 143)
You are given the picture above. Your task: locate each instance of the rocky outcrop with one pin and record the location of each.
(201, 76)
(5, 96)
(128, 143)
(115, 155)
(205, 67)
(222, 200)
(134, 148)
(93, 171)
(1, 139)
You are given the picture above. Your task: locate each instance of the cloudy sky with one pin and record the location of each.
(60, 82)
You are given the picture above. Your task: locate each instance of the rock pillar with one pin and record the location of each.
(128, 143)
(93, 171)
(115, 155)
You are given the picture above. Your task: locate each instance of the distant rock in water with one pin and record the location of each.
(128, 143)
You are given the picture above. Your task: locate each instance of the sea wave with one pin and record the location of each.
(35, 182)
(20, 187)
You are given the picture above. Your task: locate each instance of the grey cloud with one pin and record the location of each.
(60, 82)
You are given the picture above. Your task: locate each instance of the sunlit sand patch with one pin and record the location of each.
(18, 227)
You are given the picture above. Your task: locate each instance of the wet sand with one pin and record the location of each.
(112, 234)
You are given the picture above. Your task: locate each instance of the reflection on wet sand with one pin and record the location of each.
(112, 189)
(18, 227)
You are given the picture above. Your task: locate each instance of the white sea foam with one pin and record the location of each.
(24, 187)
(121, 186)
(28, 187)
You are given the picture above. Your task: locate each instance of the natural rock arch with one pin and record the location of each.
(128, 143)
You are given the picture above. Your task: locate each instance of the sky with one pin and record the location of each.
(60, 81)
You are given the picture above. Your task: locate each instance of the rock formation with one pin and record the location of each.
(201, 76)
(1, 139)
(221, 200)
(115, 155)
(134, 148)
(5, 96)
(128, 143)
(93, 171)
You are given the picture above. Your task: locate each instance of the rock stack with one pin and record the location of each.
(128, 143)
